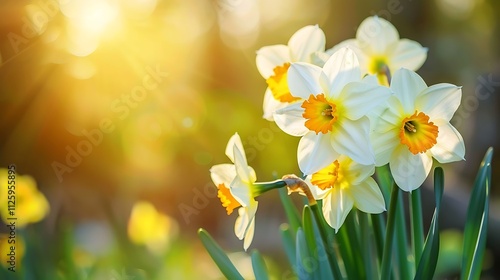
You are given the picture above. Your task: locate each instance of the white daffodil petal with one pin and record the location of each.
(245, 172)
(409, 170)
(450, 144)
(245, 217)
(340, 69)
(384, 145)
(242, 222)
(319, 58)
(357, 172)
(439, 101)
(368, 197)
(406, 85)
(350, 43)
(361, 98)
(315, 152)
(290, 120)
(271, 105)
(241, 191)
(336, 206)
(371, 79)
(408, 54)
(223, 174)
(271, 56)
(235, 140)
(303, 79)
(249, 234)
(376, 34)
(306, 41)
(351, 138)
(389, 117)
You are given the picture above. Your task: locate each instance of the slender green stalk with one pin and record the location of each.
(476, 224)
(417, 228)
(345, 249)
(262, 187)
(259, 266)
(389, 234)
(327, 245)
(366, 245)
(353, 230)
(218, 255)
(378, 223)
(402, 240)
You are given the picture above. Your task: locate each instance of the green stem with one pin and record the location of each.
(366, 245)
(378, 222)
(262, 187)
(417, 230)
(389, 234)
(345, 249)
(402, 240)
(327, 244)
(354, 238)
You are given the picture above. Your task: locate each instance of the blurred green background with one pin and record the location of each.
(106, 103)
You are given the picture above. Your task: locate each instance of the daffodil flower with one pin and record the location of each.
(344, 184)
(31, 204)
(415, 127)
(332, 118)
(235, 183)
(381, 51)
(273, 63)
(149, 227)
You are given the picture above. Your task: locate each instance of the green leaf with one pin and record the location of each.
(417, 227)
(316, 246)
(385, 270)
(476, 223)
(305, 267)
(290, 210)
(259, 266)
(219, 256)
(352, 226)
(307, 222)
(367, 245)
(378, 223)
(328, 238)
(288, 243)
(428, 261)
(385, 181)
(402, 241)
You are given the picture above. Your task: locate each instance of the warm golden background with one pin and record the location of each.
(70, 68)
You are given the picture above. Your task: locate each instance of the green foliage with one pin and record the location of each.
(363, 247)
(259, 266)
(428, 261)
(477, 221)
(291, 211)
(220, 258)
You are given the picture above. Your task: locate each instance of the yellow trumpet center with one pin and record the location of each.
(378, 65)
(226, 198)
(279, 85)
(418, 133)
(320, 113)
(328, 176)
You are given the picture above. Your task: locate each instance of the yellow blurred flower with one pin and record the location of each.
(149, 227)
(11, 251)
(27, 204)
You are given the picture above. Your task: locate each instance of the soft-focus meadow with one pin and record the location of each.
(113, 113)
